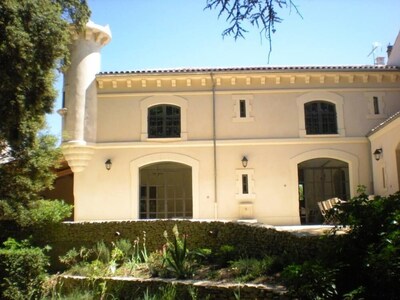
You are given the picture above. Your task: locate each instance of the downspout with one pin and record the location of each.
(214, 149)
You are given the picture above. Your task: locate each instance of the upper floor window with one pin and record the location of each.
(320, 117)
(164, 121)
(376, 105)
(242, 109)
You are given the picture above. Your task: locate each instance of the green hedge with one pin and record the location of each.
(22, 271)
(248, 240)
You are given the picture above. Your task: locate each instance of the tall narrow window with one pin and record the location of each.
(63, 99)
(383, 178)
(245, 184)
(320, 117)
(376, 105)
(242, 104)
(164, 121)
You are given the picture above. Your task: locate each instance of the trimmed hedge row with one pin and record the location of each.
(124, 288)
(249, 240)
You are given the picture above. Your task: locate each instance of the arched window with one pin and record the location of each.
(320, 117)
(164, 121)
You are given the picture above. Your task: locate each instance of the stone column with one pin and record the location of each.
(80, 95)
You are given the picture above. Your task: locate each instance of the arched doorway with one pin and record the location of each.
(321, 179)
(165, 191)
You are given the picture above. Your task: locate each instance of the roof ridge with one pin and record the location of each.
(255, 68)
(384, 123)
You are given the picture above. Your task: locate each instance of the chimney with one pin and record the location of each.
(389, 50)
(380, 60)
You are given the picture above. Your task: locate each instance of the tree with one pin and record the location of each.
(34, 39)
(260, 13)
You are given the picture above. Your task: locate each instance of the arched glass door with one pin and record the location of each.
(165, 191)
(321, 179)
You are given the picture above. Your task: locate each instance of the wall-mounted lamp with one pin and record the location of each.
(108, 164)
(378, 154)
(244, 161)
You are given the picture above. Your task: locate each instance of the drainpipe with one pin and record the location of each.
(214, 149)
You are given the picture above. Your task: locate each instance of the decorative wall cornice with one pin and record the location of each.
(247, 79)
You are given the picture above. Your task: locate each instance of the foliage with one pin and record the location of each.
(225, 254)
(260, 13)
(166, 293)
(311, 280)
(364, 263)
(34, 38)
(248, 269)
(177, 255)
(102, 260)
(155, 263)
(24, 178)
(374, 242)
(40, 212)
(22, 269)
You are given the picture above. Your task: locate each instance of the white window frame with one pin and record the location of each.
(168, 100)
(236, 108)
(381, 103)
(321, 96)
(239, 184)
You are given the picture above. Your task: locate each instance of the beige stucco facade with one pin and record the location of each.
(225, 115)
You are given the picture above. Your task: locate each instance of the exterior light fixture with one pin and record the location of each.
(108, 164)
(244, 161)
(378, 154)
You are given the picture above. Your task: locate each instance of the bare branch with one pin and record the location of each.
(260, 13)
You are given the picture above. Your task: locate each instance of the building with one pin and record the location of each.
(263, 143)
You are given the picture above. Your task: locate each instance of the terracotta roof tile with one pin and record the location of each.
(262, 69)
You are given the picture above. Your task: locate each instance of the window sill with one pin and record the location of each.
(379, 116)
(243, 120)
(145, 138)
(245, 196)
(341, 133)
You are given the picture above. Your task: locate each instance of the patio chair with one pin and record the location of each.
(325, 206)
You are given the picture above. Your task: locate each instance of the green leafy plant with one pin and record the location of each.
(372, 246)
(22, 270)
(225, 255)
(311, 280)
(102, 252)
(155, 263)
(247, 269)
(177, 255)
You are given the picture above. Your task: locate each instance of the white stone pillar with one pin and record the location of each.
(80, 95)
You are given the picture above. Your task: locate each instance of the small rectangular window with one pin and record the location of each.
(376, 105)
(242, 104)
(383, 178)
(63, 99)
(245, 184)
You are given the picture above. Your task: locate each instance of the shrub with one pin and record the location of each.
(177, 255)
(364, 263)
(37, 212)
(225, 255)
(311, 280)
(22, 270)
(155, 264)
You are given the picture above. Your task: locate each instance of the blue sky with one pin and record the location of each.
(159, 34)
